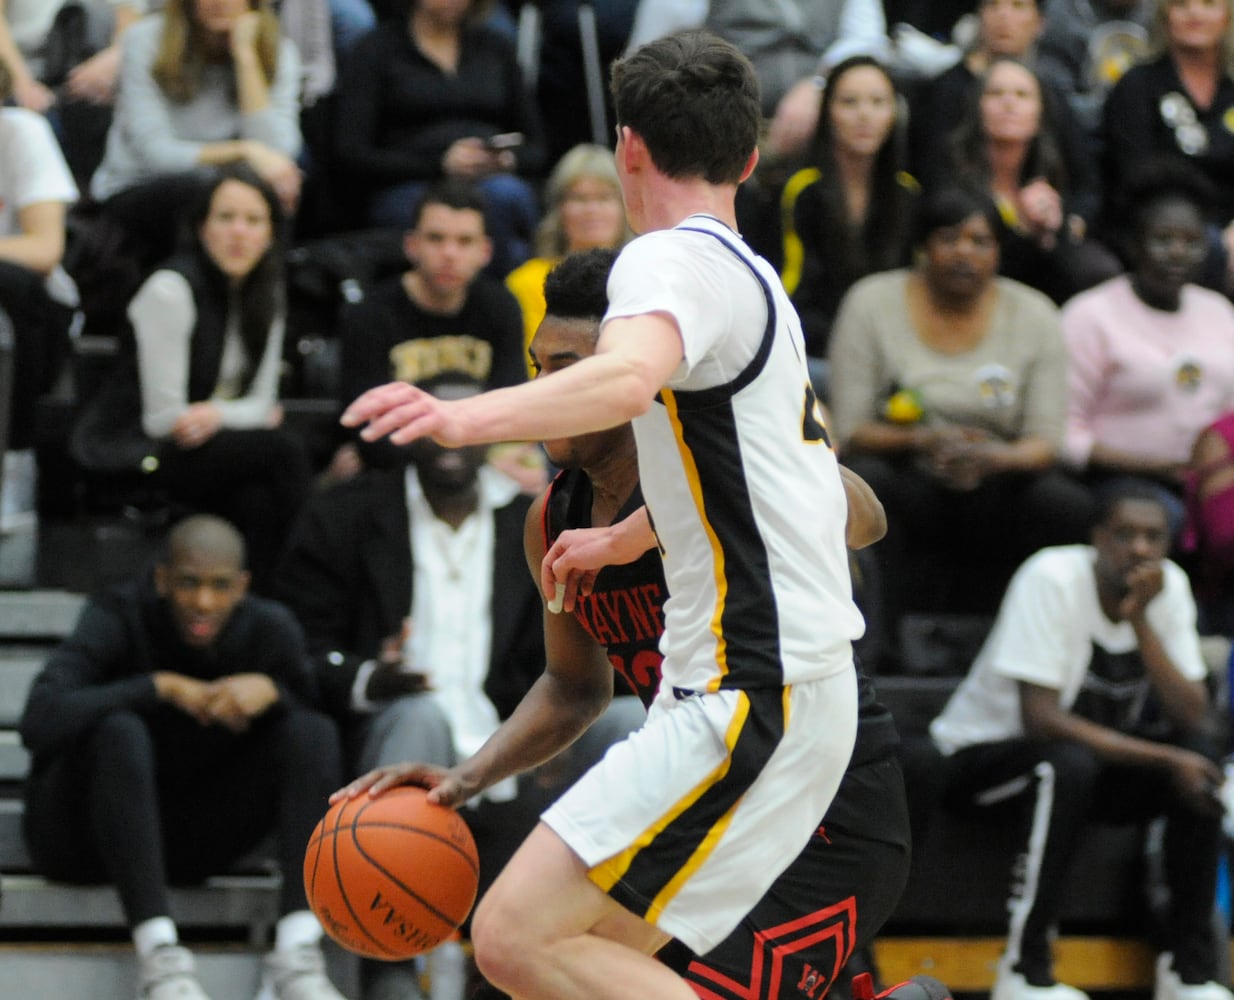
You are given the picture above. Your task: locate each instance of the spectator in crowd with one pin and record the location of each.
(1085, 48)
(201, 85)
(583, 210)
(171, 733)
(948, 396)
(1178, 105)
(436, 94)
(792, 45)
(49, 43)
(443, 314)
(1208, 532)
(39, 298)
(1007, 28)
(207, 343)
(417, 604)
(1088, 703)
(1005, 144)
(1151, 355)
(309, 25)
(847, 213)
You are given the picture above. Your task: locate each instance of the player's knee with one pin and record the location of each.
(502, 950)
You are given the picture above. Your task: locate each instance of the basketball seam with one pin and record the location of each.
(346, 897)
(391, 876)
(378, 825)
(355, 933)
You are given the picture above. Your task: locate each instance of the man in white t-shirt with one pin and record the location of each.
(1088, 701)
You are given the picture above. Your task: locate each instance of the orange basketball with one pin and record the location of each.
(392, 876)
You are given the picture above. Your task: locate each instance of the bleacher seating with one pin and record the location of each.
(952, 918)
(70, 941)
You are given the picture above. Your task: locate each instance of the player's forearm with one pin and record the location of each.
(601, 392)
(38, 252)
(1109, 744)
(550, 717)
(1184, 701)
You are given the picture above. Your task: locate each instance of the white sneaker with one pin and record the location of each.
(169, 973)
(1170, 987)
(1011, 985)
(297, 974)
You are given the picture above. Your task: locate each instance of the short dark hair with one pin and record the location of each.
(1109, 495)
(944, 207)
(1165, 178)
(693, 98)
(577, 288)
(452, 192)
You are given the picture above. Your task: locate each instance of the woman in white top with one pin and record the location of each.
(208, 330)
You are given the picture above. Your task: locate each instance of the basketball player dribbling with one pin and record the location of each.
(837, 894)
(682, 828)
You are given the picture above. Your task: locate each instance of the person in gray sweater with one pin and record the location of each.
(197, 90)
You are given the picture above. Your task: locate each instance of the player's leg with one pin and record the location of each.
(830, 902)
(545, 931)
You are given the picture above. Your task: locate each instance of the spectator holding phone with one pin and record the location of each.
(438, 94)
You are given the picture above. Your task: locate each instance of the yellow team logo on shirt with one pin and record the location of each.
(1188, 374)
(419, 359)
(1227, 119)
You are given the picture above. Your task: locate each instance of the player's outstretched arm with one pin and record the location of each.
(612, 387)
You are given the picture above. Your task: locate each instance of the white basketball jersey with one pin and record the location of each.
(737, 471)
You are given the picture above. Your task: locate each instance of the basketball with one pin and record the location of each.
(393, 876)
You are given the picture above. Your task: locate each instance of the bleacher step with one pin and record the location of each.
(13, 854)
(38, 614)
(109, 971)
(17, 673)
(241, 901)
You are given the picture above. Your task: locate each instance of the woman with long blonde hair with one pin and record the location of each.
(202, 85)
(583, 210)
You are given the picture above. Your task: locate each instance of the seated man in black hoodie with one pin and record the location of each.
(171, 733)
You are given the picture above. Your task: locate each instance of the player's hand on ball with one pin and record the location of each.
(445, 786)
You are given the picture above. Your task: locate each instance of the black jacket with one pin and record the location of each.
(124, 636)
(347, 575)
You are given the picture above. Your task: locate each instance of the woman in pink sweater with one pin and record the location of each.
(1150, 354)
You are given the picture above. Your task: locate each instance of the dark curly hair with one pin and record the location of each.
(577, 288)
